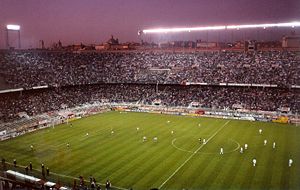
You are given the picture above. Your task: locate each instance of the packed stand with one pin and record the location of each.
(39, 101)
(61, 68)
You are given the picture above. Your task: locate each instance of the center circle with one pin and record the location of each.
(190, 145)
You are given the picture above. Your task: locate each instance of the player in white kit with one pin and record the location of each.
(144, 138)
(221, 151)
(265, 142)
(290, 162)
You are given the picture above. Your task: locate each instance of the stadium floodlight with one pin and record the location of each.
(166, 30)
(206, 28)
(13, 27)
(264, 26)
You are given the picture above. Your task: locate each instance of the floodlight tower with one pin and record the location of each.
(13, 28)
(140, 33)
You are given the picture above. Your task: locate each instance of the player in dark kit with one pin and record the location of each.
(107, 185)
(43, 170)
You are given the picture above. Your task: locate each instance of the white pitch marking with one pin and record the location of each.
(184, 150)
(180, 148)
(235, 148)
(191, 156)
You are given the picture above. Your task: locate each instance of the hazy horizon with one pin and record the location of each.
(93, 21)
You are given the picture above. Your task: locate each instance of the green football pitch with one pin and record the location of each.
(178, 160)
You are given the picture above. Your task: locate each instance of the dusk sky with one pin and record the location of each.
(93, 21)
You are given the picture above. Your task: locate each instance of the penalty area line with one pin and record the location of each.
(192, 155)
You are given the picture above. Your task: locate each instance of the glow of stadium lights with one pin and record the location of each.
(166, 30)
(13, 27)
(264, 26)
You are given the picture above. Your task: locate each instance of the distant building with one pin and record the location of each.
(177, 44)
(206, 45)
(113, 41)
(291, 42)
(113, 44)
(100, 47)
(269, 44)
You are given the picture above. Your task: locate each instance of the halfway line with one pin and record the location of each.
(191, 156)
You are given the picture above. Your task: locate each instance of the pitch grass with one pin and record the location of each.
(130, 163)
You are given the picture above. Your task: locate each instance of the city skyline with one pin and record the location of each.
(94, 21)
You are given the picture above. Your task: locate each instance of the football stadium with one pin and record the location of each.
(202, 106)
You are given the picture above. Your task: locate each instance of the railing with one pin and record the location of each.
(61, 180)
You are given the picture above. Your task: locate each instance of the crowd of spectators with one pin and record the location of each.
(44, 100)
(217, 97)
(61, 68)
(40, 101)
